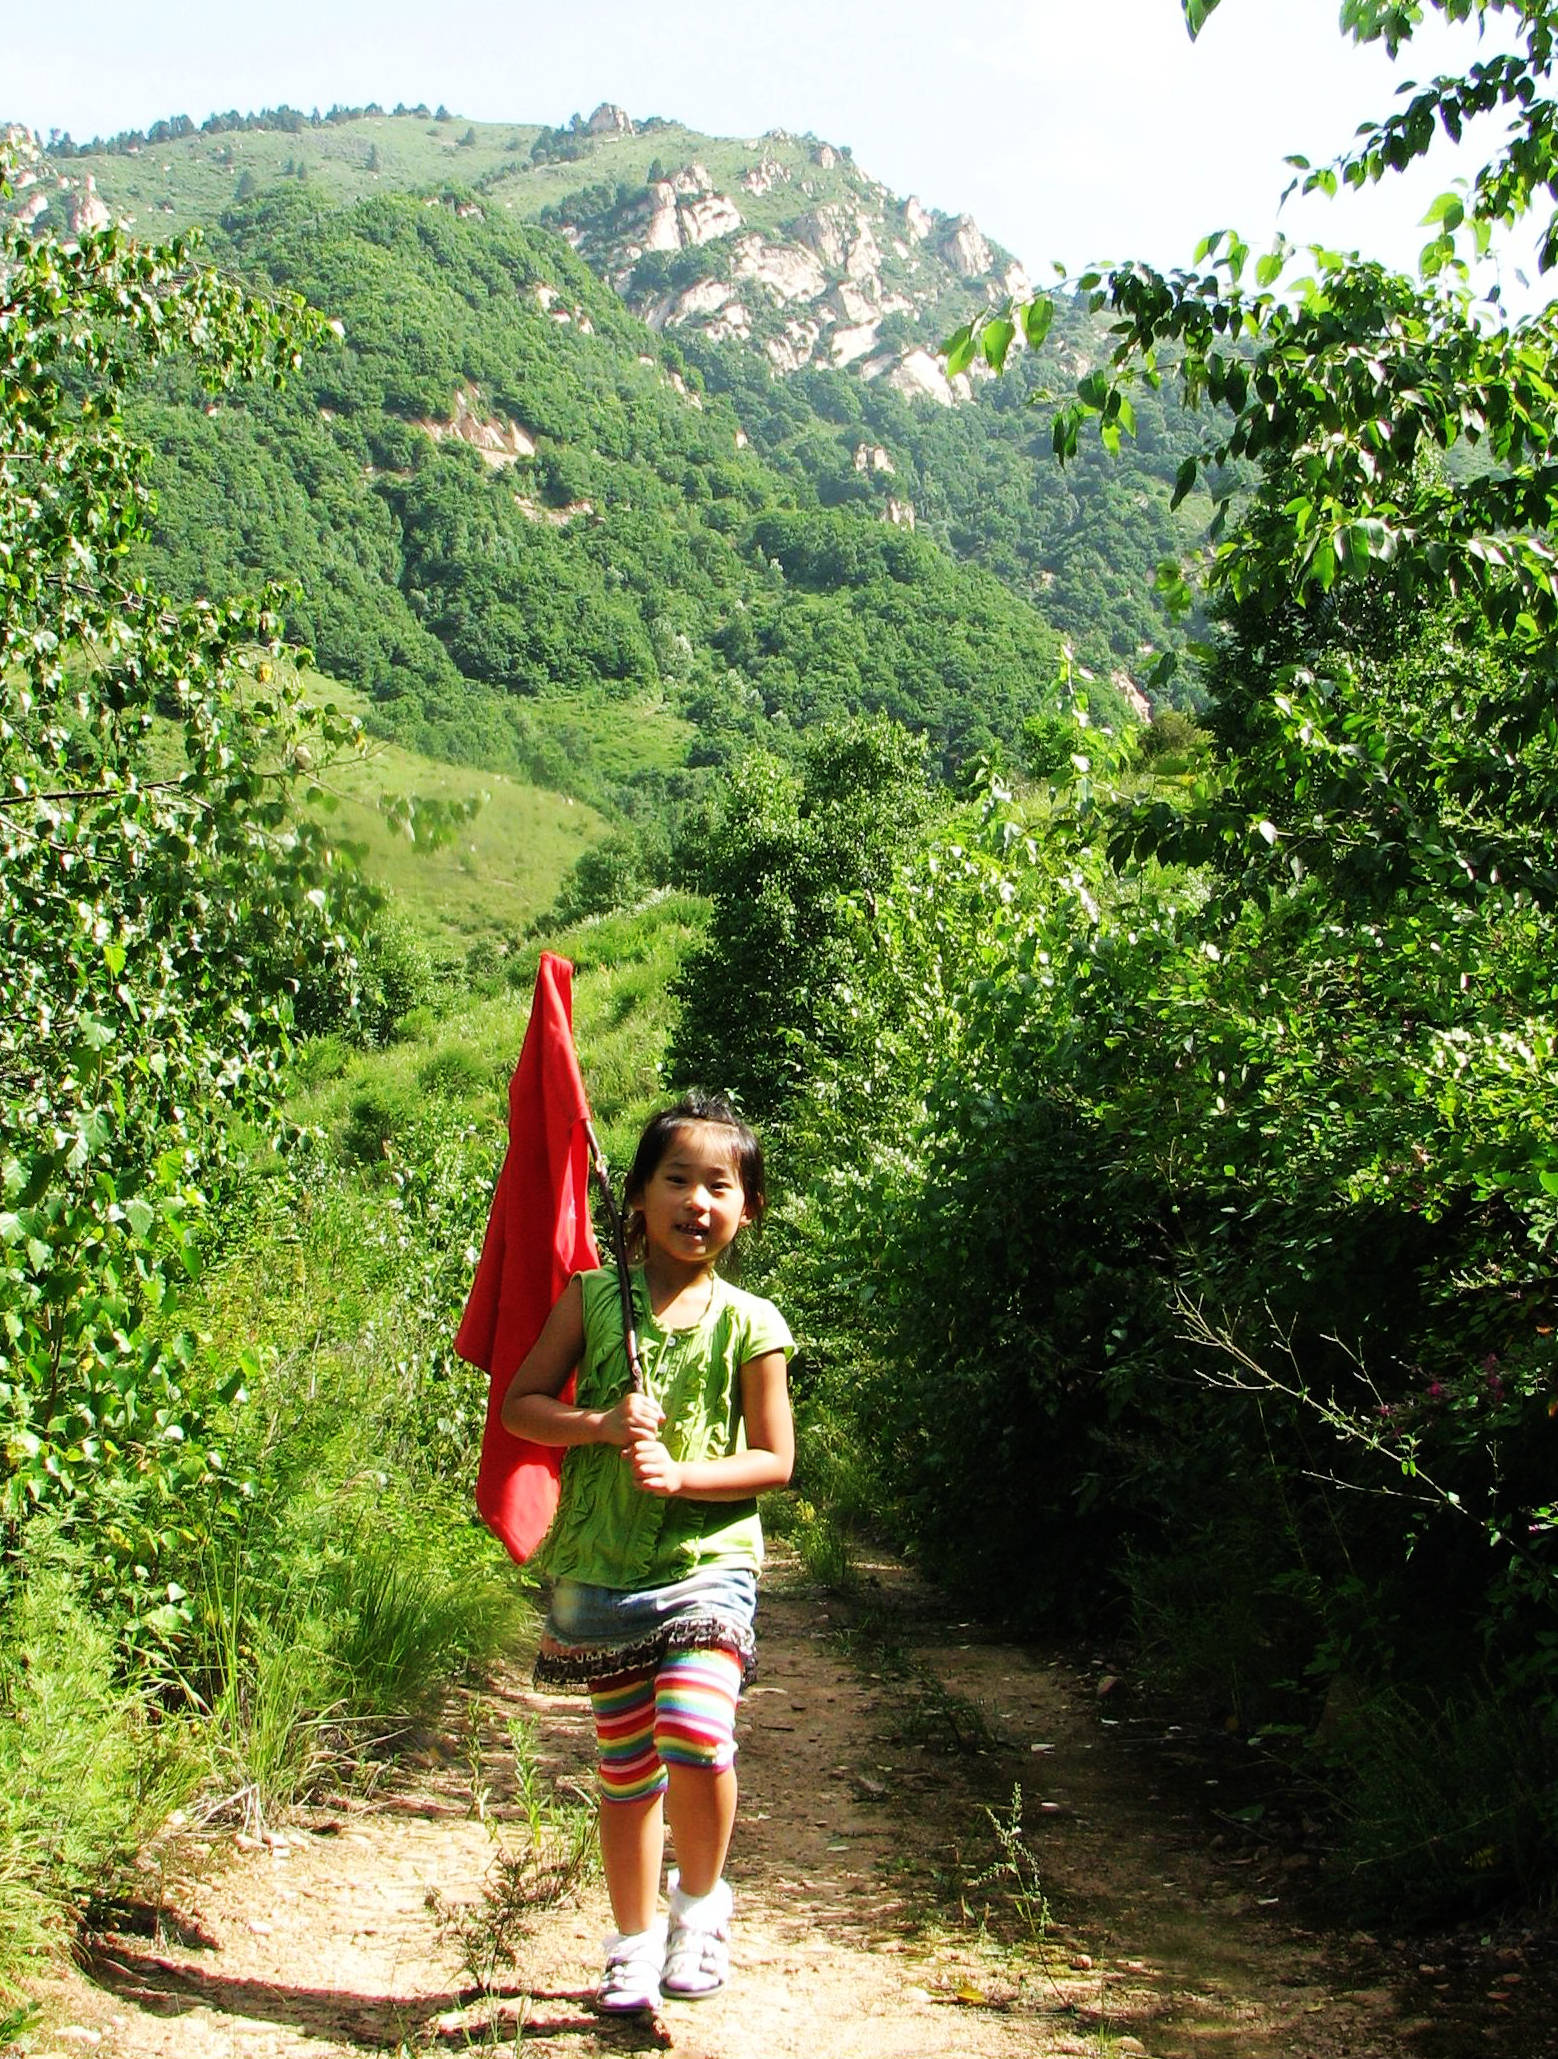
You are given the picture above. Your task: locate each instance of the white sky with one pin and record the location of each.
(1069, 131)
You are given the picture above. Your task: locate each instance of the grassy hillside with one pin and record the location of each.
(493, 877)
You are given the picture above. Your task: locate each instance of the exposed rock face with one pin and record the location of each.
(498, 442)
(681, 210)
(865, 259)
(559, 518)
(857, 304)
(966, 250)
(870, 457)
(919, 376)
(848, 345)
(1132, 695)
(764, 176)
(701, 221)
(788, 271)
(794, 348)
(813, 289)
(900, 513)
(661, 231)
(731, 325)
(609, 120)
(701, 298)
(89, 214)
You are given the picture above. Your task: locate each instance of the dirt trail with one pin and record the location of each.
(863, 1828)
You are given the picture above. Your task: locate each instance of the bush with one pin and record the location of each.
(375, 1117)
(396, 975)
(455, 1073)
(1445, 1803)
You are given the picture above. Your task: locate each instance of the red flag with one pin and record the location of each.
(538, 1236)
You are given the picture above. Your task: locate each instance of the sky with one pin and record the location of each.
(1071, 132)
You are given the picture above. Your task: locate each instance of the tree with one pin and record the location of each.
(1349, 389)
(790, 861)
(162, 897)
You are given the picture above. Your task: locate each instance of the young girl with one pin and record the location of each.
(655, 1550)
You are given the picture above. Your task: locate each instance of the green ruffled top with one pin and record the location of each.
(608, 1532)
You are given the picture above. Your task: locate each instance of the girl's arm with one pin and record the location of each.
(531, 1407)
(766, 1462)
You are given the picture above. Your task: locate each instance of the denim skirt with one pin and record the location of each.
(599, 1633)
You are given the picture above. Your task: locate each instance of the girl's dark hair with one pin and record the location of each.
(659, 1134)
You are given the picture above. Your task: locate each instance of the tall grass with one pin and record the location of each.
(86, 1774)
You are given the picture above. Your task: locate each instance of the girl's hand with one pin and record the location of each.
(654, 1469)
(635, 1418)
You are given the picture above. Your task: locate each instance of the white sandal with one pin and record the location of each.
(631, 1980)
(697, 1952)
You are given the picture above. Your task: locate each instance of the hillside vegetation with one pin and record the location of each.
(798, 287)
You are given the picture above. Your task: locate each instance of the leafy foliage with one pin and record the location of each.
(162, 904)
(1209, 1234)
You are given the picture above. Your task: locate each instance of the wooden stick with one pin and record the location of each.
(619, 1248)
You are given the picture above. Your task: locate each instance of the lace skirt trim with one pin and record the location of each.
(577, 1665)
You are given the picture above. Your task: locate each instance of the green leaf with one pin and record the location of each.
(960, 349)
(996, 340)
(1037, 316)
(140, 1216)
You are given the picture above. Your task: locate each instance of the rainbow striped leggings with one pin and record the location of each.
(679, 1713)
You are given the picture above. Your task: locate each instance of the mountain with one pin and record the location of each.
(625, 410)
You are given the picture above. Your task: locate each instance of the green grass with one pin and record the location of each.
(169, 186)
(622, 737)
(455, 1065)
(499, 870)
(85, 1774)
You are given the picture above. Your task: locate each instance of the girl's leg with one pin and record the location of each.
(632, 1784)
(694, 1736)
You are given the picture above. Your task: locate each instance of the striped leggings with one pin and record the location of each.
(679, 1713)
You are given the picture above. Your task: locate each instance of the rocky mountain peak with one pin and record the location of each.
(610, 120)
(785, 245)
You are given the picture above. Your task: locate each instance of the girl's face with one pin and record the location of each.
(693, 1202)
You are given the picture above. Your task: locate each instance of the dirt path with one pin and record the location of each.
(863, 1834)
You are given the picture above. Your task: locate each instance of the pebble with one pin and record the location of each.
(79, 2034)
(1080, 1962)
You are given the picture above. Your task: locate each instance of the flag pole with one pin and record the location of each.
(619, 1248)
